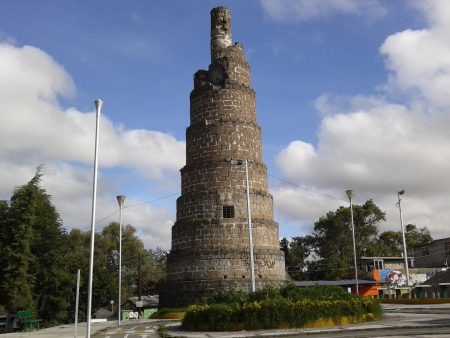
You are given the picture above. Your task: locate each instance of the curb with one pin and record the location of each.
(171, 331)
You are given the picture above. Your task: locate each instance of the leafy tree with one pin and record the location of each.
(296, 253)
(153, 270)
(332, 239)
(77, 245)
(391, 242)
(39, 259)
(3, 213)
(414, 236)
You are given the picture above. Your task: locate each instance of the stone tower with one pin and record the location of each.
(210, 238)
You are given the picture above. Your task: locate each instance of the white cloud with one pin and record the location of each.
(376, 146)
(303, 10)
(34, 129)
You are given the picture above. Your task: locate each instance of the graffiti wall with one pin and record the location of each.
(397, 278)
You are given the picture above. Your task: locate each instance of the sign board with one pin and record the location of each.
(133, 315)
(139, 303)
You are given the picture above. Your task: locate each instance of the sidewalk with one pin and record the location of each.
(62, 331)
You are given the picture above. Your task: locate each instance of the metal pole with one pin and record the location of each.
(349, 195)
(120, 200)
(98, 107)
(77, 303)
(250, 235)
(405, 254)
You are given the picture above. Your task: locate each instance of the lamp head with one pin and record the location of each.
(349, 194)
(401, 192)
(98, 104)
(120, 200)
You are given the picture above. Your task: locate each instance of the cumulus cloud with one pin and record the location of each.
(380, 144)
(303, 10)
(35, 129)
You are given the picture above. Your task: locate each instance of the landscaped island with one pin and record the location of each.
(289, 307)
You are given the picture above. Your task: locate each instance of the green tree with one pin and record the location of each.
(3, 212)
(416, 236)
(153, 270)
(35, 276)
(17, 281)
(332, 240)
(296, 253)
(77, 245)
(391, 242)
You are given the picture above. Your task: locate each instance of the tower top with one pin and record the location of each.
(220, 29)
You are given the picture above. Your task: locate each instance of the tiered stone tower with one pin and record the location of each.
(210, 242)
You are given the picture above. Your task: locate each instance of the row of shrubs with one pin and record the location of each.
(415, 301)
(271, 308)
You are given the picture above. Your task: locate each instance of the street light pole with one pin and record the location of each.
(250, 231)
(249, 222)
(98, 107)
(120, 200)
(350, 195)
(405, 254)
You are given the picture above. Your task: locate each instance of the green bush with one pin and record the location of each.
(274, 313)
(264, 294)
(320, 292)
(229, 297)
(165, 310)
(288, 292)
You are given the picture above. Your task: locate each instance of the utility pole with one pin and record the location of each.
(350, 195)
(405, 254)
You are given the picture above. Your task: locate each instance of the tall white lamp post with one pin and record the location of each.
(249, 221)
(120, 200)
(405, 254)
(350, 195)
(98, 107)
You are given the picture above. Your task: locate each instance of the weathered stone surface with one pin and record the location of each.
(209, 252)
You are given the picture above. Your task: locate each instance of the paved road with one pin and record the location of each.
(146, 330)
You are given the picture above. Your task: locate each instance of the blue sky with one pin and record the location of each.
(350, 94)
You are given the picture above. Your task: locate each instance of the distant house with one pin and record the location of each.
(133, 308)
(385, 263)
(367, 288)
(433, 255)
(148, 302)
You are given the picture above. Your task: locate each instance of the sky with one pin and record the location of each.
(351, 94)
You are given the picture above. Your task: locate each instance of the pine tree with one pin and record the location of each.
(35, 276)
(17, 282)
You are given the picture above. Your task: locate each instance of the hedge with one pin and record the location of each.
(276, 313)
(169, 313)
(415, 301)
(321, 292)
